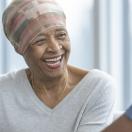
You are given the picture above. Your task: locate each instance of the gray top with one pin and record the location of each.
(87, 108)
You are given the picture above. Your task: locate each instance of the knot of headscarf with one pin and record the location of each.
(23, 20)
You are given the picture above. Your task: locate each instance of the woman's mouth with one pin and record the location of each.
(54, 62)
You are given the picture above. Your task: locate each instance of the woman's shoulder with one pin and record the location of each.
(77, 70)
(77, 73)
(101, 80)
(93, 75)
(10, 75)
(10, 78)
(99, 74)
(96, 73)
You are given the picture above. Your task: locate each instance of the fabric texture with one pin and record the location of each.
(87, 108)
(23, 20)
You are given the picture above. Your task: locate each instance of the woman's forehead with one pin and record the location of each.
(53, 31)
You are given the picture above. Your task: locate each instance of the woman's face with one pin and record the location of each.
(48, 53)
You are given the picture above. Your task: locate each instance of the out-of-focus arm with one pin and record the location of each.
(122, 124)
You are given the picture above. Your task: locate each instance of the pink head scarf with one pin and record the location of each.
(23, 20)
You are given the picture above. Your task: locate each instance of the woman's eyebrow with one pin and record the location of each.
(62, 29)
(41, 34)
(57, 30)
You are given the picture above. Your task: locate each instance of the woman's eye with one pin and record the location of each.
(39, 42)
(61, 36)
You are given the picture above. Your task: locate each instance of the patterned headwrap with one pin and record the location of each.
(23, 20)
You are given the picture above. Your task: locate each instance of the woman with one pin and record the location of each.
(50, 95)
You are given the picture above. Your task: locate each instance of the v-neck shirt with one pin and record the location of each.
(87, 108)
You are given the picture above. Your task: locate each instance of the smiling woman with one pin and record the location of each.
(50, 94)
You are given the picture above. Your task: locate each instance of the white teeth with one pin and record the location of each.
(54, 64)
(53, 59)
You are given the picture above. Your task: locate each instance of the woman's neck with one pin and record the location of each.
(45, 87)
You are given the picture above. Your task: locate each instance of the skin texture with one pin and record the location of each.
(123, 124)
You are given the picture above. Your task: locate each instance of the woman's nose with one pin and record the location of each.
(54, 45)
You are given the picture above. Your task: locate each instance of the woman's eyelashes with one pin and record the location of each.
(42, 39)
(39, 41)
(61, 36)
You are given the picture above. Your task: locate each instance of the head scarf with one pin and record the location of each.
(23, 20)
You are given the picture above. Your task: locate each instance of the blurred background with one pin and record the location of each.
(101, 37)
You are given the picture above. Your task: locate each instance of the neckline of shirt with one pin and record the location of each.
(43, 107)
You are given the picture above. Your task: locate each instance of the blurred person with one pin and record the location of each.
(50, 95)
(122, 124)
